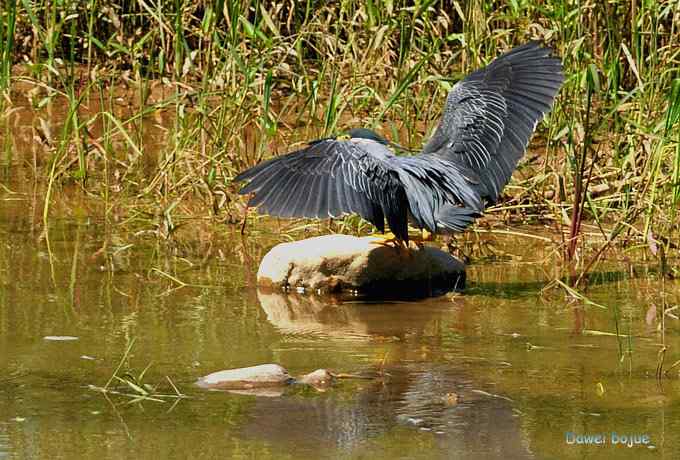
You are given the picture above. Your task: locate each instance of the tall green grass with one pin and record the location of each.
(233, 82)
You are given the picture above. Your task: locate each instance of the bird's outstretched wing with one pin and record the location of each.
(491, 114)
(331, 177)
(328, 178)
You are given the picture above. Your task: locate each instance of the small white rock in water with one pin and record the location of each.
(319, 378)
(60, 338)
(345, 263)
(245, 378)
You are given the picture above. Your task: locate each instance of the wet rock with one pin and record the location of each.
(263, 380)
(320, 378)
(345, 263)
(245, 378)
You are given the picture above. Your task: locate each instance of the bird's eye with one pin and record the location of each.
(343, 137)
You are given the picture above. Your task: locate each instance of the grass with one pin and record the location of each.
(152, 108)
(134, 388)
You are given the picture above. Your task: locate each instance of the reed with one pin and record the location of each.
(168, 100)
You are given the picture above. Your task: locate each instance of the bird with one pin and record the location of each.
(487, 121)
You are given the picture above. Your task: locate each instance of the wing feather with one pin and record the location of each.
(327, 178)
(491, 114)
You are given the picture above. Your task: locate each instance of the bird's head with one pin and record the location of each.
(365, 133)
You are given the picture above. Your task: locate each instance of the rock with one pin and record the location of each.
(245, 378)
(320, 378)
(345, 263)
(263, 380)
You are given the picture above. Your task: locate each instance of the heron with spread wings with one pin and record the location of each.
(487, 122)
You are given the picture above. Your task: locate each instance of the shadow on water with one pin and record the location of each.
(524, 289)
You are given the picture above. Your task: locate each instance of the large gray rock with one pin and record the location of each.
(339, 263)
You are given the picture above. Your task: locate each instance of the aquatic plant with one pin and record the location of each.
(153, 107)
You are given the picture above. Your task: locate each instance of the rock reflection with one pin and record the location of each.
(295, 314)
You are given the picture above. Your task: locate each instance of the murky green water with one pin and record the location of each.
(523, 373)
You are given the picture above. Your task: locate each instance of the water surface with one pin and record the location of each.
(503, 371)
(511, 369)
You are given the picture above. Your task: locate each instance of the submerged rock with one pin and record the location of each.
(320, 378)
(245, 378)
(345, 263)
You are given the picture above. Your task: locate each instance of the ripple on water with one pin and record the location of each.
(4, 442)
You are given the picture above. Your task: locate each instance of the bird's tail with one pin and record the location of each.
(456, 218)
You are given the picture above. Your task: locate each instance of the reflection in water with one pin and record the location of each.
(4, 441)
(413, 399)
(294, 314)
(407, 393)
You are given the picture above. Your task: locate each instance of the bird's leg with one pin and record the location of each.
(390, 240)
(385, 239)
(419, 240)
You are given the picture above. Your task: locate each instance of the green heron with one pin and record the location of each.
(488, 119)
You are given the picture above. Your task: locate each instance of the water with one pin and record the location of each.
(498, 372)
(509, 370)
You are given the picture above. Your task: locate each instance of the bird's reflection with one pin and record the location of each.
(415, 389)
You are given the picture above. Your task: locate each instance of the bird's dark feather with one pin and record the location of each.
(330, 178)
(490, 115)
(486, 125)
